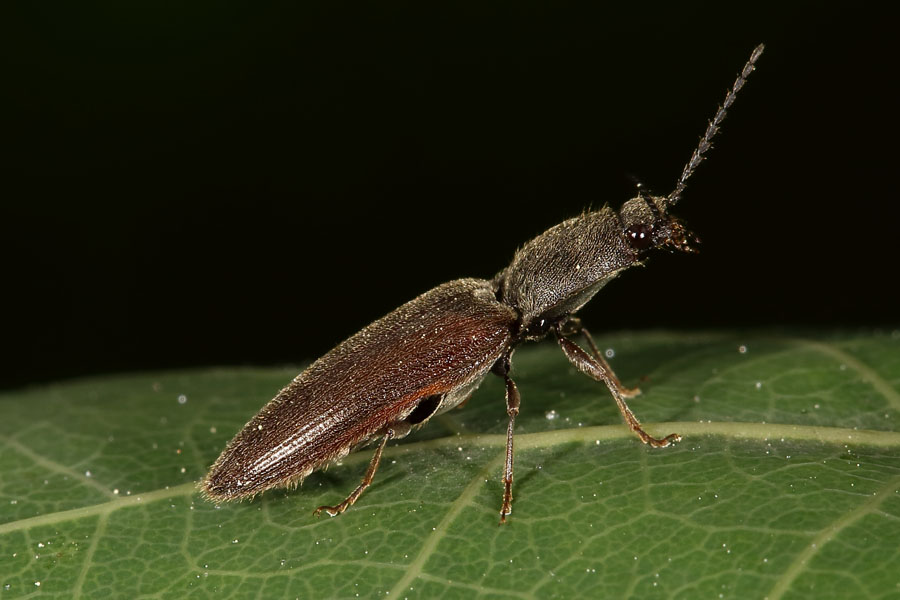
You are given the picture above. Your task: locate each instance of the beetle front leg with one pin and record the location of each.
(573, 326)
(588, 365)
(366, 482)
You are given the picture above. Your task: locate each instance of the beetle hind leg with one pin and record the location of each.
(366, 482)
(598, 371)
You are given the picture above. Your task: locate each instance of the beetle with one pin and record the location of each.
(429, 355)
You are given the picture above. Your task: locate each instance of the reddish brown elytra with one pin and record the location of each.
(429, 355)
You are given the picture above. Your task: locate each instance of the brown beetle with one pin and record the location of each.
(429, 355)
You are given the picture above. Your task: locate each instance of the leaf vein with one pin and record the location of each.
(867, 373)
(481, 589)
(440, 531)
(55, 467)
(99, 531)
(828, 533)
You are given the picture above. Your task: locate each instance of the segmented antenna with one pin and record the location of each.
(713, 128)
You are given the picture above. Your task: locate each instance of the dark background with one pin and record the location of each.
(201, 183)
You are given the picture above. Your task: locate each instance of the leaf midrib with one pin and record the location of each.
(734, 430)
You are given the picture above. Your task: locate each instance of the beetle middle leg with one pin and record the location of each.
(574, 326)
(598, 371)
(512, 409)
(366, 482)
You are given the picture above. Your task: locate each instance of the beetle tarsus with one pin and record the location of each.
(332, 511)
(366, 482)
(656, 442)
(629, 393)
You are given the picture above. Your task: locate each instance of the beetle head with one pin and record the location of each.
(646, 224)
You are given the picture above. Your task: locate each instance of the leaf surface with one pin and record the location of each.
(787, 484)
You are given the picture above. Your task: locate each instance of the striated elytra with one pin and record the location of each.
(429, 355)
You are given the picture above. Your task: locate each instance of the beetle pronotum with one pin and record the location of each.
(429, 355)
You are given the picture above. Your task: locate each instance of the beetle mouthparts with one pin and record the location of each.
(682, 239)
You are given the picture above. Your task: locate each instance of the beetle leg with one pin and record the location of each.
(367, 480)
(573, 327)
(512, 409)
(601, 372)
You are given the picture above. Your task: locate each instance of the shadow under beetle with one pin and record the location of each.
(429, 355)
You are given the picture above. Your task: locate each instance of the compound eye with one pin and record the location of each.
(640, 236)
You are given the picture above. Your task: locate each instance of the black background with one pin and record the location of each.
(198, 183)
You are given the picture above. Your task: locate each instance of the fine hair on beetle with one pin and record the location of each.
(429, 355)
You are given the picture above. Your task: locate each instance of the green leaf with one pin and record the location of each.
(786, 485)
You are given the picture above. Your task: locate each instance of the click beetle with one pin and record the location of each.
(429, 355)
